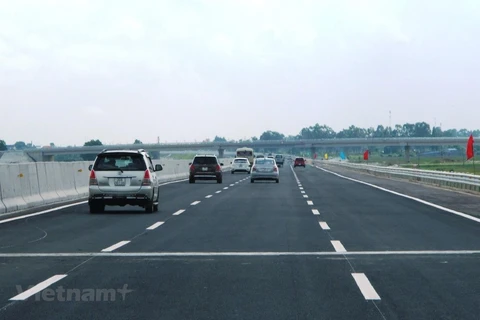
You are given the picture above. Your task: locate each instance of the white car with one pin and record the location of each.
(240, 165)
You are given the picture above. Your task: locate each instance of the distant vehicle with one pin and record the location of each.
(264, 169)
(245, 153)
(205, 167)
(299, 162)
(260, 156)
(279, 159)
(123, 177)
(240, 165)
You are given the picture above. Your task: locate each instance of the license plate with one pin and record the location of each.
(119, 182)
(205, 169)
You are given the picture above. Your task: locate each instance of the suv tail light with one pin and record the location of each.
(275, 169)
(218, 168)
(147, 179)
(93, 179)
(192, 168)
(254, 168)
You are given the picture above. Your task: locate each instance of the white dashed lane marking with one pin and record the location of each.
(315, 212)
(155, 225)
(115, 246)
(218, 191)
(194, 203)
(305, 196)
(209, 196)
(324, 225)
(365, 286)
(179, 212)
(338, 246)
(310, 203)
(39, 287)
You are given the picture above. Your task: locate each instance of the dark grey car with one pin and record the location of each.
(205, 167)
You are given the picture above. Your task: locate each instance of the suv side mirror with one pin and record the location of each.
(221, 163)
(90, 167)
(158, 167)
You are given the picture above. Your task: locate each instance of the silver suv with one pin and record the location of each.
(121, 177)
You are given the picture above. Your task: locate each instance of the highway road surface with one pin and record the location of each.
(314, 246)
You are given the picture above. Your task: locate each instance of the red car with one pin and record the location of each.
(299, 162)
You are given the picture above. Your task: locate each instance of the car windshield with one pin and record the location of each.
(120, 161)
(205, 160)
(265, 162)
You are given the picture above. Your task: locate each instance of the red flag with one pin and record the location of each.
(365, 155)
(470, 148)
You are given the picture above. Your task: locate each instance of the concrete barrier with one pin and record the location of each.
(29, 185)
(46, 182)
(11, 188)
(28, 179)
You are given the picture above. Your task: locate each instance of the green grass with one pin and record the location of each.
(457, 164)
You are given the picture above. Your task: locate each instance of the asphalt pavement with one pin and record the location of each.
(314, 246)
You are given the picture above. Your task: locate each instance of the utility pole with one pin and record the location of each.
(390, 119)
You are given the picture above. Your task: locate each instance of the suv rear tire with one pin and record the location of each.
(219, 180)
(191, 180)
(149, 207)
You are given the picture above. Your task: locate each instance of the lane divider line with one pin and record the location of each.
(365, 286)
(324, 225)
(301, 188)
(305, 196)
(116, 246)
(225, 188)
(209, 196)
(194, 203)
(218, 191)
(179, 212)
(302, 191)
(155, 225)
(39, 287)
(231, 185)
(310, 203)
(458, 213)
(338, 246)
(315, 212)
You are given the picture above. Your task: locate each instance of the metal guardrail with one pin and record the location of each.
(451, 179)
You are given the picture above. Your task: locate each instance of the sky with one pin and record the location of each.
(179, 70)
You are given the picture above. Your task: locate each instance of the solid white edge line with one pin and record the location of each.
(310, 202)
(179, 212)
(194, 203)
(66, 206)
(43, 212)
(39, 287)
(116, 246)
(365, 286)
(324, 225)
(155, 225)
(240, 254)
(315, 212)
(458, 213)
(209, 196)
(338, 246)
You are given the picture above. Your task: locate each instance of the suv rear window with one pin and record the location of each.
(205, 160)
(240, 161)
(298, 159)
(120, 161)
